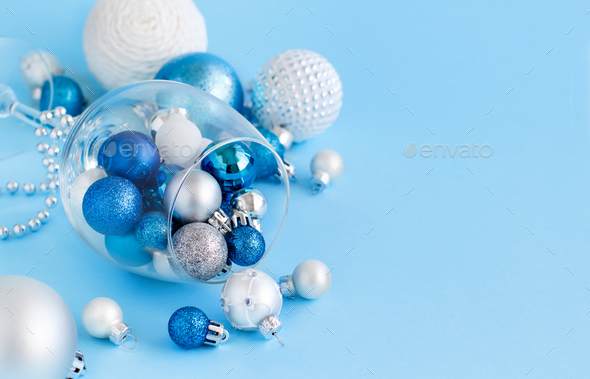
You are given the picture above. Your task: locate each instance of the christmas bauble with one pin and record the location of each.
(299, 90)
(198, 198)
(37, 329)
(208, 73)
(66, 93)
(250, 201)
(34, 69)
(312, 279)
(130, 155)
(178, 139)
(245, 245)
(126, 41)
(200, 249)
(248, 297)
(112, 205)
(189, 327)
(103, 318)
(232, 166)
(326, 166)
(266, 162)
(152, 231)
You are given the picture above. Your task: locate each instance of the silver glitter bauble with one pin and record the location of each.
(200, 249)
(198, 198)
(297, 89)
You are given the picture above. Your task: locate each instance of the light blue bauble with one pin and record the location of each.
(126, 251)
(208, 73)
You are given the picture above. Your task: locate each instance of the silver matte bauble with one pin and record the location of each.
(326, 166)
(250, 201)
(103, 318)
(198, 198)
(38, 331)
(298, 90)
(311, 279)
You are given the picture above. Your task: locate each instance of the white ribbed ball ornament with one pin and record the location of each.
(298, 90)
(126, 41)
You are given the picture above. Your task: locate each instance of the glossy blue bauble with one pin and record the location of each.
(151, 231)
(245, 245)
(66, 93)
(266, 163)
(126, 250)
(112, 205)
(232, 166)
(208, 73)
(188, 327)
(130, 155)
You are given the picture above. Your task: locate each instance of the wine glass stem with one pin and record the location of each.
(31, 115)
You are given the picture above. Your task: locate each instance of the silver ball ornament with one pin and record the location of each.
(198, 198)
(19, 230)
(39, 335)
(179, 139)
(50, 201)
(200, 249)
(250, 201)
(43, 216)
(312, 279)
(29, 188)
(103, 318)
(299, 90)
(326, 166)
(12, 187)
(34, 224)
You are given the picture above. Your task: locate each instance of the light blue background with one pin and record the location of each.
(449, 284)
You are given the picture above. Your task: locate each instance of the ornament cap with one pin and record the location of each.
(319, 182)
(216, 335)
(180, 111)
(270, 326)
(285, 136)
(290, 170)
(287, 287)
(220, 221)
(78, 367)
(120, 334)
(239, 218)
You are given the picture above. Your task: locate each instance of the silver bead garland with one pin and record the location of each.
(50, 152)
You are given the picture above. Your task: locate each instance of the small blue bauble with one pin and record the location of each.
(112, 205)
(208, 73)
(232, 165)
(225, 202)
(66, 93)
(245, 245)
(266, 163)
(151, 231)
(188, 327)
(126, 251)
(130, 155)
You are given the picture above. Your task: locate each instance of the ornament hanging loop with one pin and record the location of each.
(225, 336)
(128, 336)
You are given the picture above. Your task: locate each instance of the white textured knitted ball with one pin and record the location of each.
(126, 41)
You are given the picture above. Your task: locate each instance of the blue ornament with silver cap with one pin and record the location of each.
(189, 327)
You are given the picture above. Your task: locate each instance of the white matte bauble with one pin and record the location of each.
(312, 279)
(326, 166)
(248, 297)
(126, 41)
(38, 334)
(298, 90)
(199, 197)
(100, 316)
(178, 139)
(37, 67)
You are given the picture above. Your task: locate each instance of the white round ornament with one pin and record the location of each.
(37, 66)
(103, 318)
(297, 90)
(178, 139)
(126, 41)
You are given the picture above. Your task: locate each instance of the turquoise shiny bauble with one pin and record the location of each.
(232, 166)
(207, 72)
(66, 93)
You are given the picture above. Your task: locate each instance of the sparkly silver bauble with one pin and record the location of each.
(198, 198)
(38, 331)
(299, 90)
(200, 249)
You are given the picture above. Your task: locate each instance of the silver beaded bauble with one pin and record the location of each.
(4, 232)
(43, 216)
(19, 230)
(299, 90)
(29, 188)
(50, 201)
(34, 224)
(12, 187)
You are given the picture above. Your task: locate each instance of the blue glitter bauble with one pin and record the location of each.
(126, 251)
(66, 93)
(225, 202)
(112, 205)
(130, 155)
(152, 231)
(245, 245)
(188, 327)
(207, 72)
(232, 165)
(266, 163)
